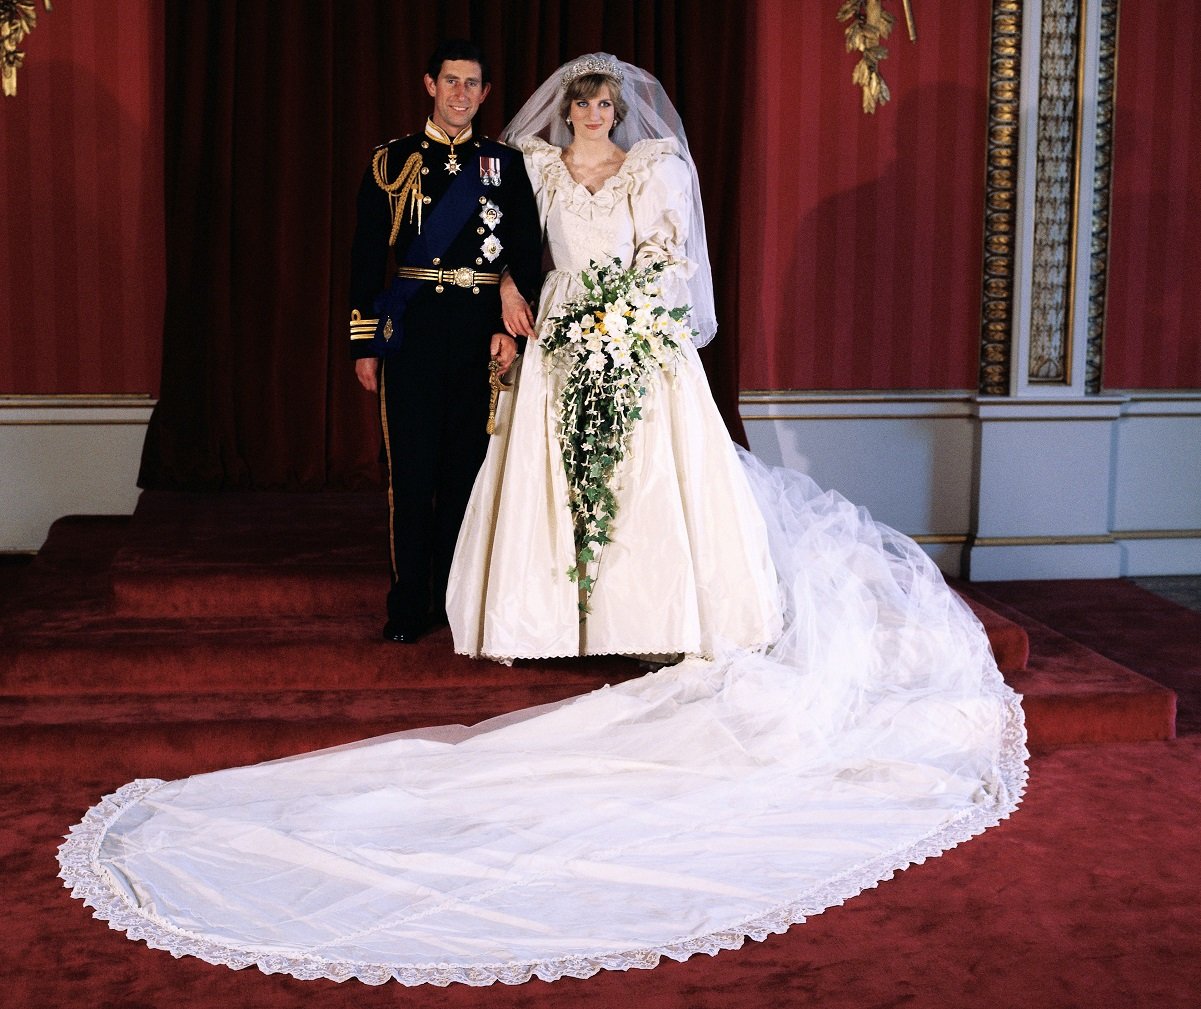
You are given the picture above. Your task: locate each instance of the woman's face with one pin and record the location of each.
(593, 117)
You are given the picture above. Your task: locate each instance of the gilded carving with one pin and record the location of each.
(1000, 190)
(1099, 245)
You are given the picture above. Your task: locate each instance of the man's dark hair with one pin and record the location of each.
(458, 49)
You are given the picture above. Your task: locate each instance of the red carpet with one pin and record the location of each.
(214, 630)
(1087, 897)
(1123, 622)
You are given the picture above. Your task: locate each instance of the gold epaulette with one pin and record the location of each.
(360, 328)
(406, 185)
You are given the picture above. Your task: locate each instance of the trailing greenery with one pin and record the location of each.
(609, 340)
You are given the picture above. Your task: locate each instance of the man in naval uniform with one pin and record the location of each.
(441, 215)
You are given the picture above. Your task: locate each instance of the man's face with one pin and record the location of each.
(457, 93)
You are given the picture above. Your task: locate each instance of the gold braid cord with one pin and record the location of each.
(406, 185)
(869, 25)
(17, 19)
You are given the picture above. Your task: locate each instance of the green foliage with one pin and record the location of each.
(609, 340)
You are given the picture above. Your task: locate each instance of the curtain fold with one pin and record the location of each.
(269, 123)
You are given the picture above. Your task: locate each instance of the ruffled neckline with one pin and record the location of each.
(548, 160)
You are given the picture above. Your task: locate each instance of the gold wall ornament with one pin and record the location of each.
(1000, 200)
(1102, 191)
(869, 25)
(17, 19)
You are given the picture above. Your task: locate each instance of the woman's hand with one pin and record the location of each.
(514, 309)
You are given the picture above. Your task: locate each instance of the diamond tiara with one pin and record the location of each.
(592, 65)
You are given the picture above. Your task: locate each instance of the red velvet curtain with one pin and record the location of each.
(271, 114)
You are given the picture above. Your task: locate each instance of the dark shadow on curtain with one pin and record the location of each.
(270, 121)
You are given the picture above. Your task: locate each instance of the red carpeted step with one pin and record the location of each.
(173, 735)
(1124, 622)
(154, 665)
(221, 554)
(1072, 694)
(1010, 643)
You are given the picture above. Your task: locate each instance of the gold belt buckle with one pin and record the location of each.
(464, 276)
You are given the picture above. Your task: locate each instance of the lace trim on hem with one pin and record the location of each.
(508, 660)
(80, 869)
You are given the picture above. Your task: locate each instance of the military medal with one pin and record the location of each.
(491, 213)
(490, 171)
(435, 132)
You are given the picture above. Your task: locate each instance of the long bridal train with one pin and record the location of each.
(673, 814)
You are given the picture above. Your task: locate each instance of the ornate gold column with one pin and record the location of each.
(1106, 84)
(1000, 201)
(1051, 94)
(1043, 439)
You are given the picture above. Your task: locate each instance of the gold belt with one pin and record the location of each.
(464, 276)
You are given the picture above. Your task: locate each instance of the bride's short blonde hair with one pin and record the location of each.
(586, 86)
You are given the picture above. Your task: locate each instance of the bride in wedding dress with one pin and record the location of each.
(838, 715)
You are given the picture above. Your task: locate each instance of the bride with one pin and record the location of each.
(839, 715)
(687, 568)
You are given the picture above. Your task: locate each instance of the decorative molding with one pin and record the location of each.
(1038, 541)
(1000, 203)
(1058, 164)
(74, 410)
(1106, 85)
(793, 405)
(1157, 534)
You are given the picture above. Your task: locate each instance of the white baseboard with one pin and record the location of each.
(991, 488)
(1006, 488)
(66, 455)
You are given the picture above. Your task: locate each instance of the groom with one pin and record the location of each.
(443, 213)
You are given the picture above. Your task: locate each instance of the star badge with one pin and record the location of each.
(452, 166)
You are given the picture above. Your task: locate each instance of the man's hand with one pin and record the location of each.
(366, 370)
(504, 351)
(514, 309)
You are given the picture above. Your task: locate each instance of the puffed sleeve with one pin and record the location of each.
(542, 160)
(661, 204)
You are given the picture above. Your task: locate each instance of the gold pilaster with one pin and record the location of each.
(1000, 203)
(1107, 60)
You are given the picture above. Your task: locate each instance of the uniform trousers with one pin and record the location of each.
(434, 407)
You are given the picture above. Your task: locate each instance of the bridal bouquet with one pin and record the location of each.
(610, 339)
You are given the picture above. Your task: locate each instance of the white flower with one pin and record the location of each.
(616, 323)
(588, 322)
(621, 357)
(595, 362)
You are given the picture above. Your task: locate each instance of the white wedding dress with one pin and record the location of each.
(688, 570)
(728, 796)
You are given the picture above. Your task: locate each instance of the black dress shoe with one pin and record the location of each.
(402, 633)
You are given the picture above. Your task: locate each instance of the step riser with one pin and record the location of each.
(173, 750)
